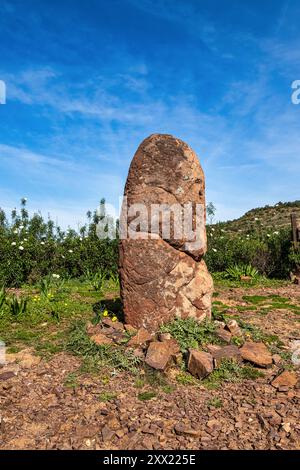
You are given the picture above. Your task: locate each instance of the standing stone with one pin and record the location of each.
(162, 272)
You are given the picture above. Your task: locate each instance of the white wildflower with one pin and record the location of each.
(70, 251)
(42, 243)
(13, 244)
(215, 250)
(21, 247)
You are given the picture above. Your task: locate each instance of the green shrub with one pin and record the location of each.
(16, 306)
(236, 271)
(31, 249)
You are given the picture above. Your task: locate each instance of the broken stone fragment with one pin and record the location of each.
(130, 329)
(116, 325)
(161, 353)
(257, 353)
(142, 338)
(182, 430)
(245, 278)
(227, 352)
(200, 363)
(7, 375)
(223, 334)
(233, 327)
(212, 348)
(101, 339)
(164, 336)
(286, 379)
(276, 359)
(25, 358)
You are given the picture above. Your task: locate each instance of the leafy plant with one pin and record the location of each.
(45, 286)
(236, 271)
(190, 334)
(109, 356)
(17, 306)
(114, 281)
(98, 281)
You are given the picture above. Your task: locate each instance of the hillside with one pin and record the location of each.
(267, 217)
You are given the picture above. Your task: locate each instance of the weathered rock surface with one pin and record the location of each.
(200, 363)
(286, 379)
(142, 338)
(257, 353)
(26, 358)
(223, 334)
(101, 339)
(163, 277)
(161, 353)
(233, 327)
(227, 352)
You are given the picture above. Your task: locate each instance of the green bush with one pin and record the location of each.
(32, 248)
(266, 251)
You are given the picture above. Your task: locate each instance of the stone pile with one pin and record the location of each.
(160, 351)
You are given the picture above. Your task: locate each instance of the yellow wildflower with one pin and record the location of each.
(114, 318)
(105, 313)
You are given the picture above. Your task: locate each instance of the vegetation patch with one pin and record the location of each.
(116, 357)
(230, 371)
(147, 395)
(107, 396)
(190, 333)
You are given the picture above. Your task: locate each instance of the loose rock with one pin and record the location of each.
(227, 352)
(200, 363)
(286, 379)
(257, 353)
(160, 354)
(143, 337)
(101, 339)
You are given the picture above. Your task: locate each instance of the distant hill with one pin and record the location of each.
(267, 217)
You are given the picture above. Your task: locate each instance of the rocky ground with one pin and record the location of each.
(48, 404)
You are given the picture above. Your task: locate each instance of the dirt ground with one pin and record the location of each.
(40, 407)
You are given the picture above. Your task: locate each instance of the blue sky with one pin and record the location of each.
(88, 81)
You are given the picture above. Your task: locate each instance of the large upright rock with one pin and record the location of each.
(161, 268)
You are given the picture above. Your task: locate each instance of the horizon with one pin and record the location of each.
(91, 81)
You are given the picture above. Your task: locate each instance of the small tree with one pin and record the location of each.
(211, 212)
